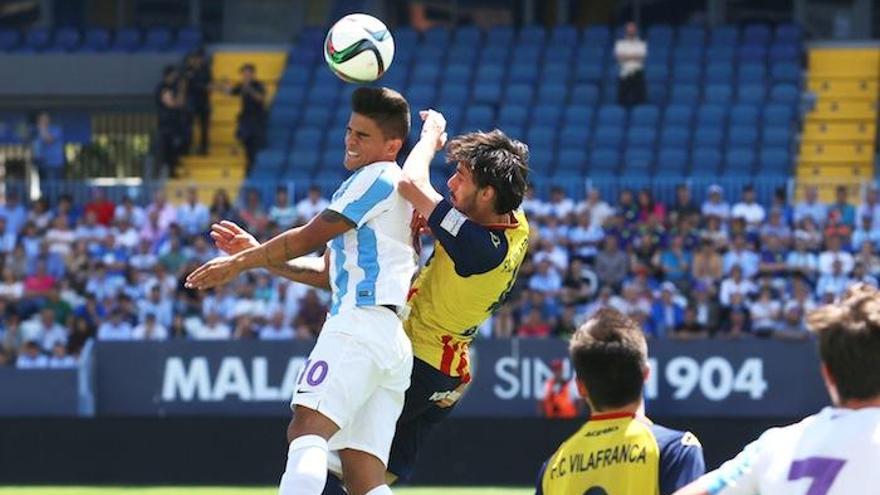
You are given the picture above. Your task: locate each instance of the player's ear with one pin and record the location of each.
(393, 146)
(582, 389)
(830, 384)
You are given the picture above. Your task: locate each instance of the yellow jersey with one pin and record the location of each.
(620, 454)
(466, 279)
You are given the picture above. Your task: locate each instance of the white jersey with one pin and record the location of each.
(835, 452)
(374, 263)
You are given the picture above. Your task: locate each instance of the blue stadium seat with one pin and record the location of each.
(308, 138)
(590, 72)
(453, 94)
(607, 136)
(641, 137)
(523, 73)
(596, 36)
(577, 115)
(777, 136)
(739, 160)
(609, 94)
(775, 161)
(425, 73)
(126, 40)
(639, 159)
(527, 54)
(37, 39)
(658, 55)
(271, 160)
(744, 114)
(494, 55)
(708, 137)
(687, 74)
(571, 161)
(711, 115)
(691, 35)
(188, 39)
(752, 73)
(573, 136)
(719, 73)
(756, 34)
(754, 94)
(555, 73)
(679, 114)
(612, 115)
(705, 162)
(554, 93)
(784, 52)
(564, 35)
(533, 35)
(487, 92)
(514, 131)
(584, 94)
(784, 93)
(519, 94)
(438, 36)
(158, 39)
(688, 55)
(671, 162)
(752, 54)
(421, 95)
(718, 93)
(724, 36)
(719, 54)
(66, 39)
(284, 115)
(295, 75)
(278, 138)
(541, 136)
(644, 115)
(656, 73)
(541, 158)
(559, 54)
(302, 159)
(785, 72)
(742, 136)
(788, 33)
(343, 114)
(489, 73)
(458, 73)
(660, 35)
(478, 117)
(9, 39)
(606, 159)
(657, 93)
(685, 94)
(316, 115)
(547, 114)
(675, 137)
(500, 36)
(325, 95)
(513, 114)
(779, 115)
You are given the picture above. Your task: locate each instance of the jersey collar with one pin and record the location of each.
(619, 415)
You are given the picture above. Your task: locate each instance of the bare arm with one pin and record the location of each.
(416, 186)
(309, 270)
(695, 488)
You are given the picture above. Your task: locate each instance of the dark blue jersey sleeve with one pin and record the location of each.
(681, 458)
(539, 484)
(473, 248)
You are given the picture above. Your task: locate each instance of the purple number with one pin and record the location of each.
(302, 373)
(320, 368)
(823, 470)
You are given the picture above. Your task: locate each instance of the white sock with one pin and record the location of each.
(380, 490)
(306, 470)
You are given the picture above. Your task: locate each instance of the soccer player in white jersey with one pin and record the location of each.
(351, 390)
(837, 451)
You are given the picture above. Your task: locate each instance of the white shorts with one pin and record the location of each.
(356, 376)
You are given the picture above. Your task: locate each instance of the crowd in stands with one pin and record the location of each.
(113, 271)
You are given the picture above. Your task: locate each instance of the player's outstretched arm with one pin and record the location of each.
(415, 186)
(696, 488)
(309, 270)
(281, 248)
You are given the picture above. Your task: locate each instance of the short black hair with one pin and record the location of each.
(386, 107)
(494, 160)
(609, 354)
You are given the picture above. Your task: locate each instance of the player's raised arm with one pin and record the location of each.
(415, 185)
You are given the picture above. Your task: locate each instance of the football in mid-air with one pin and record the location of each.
(359, 48)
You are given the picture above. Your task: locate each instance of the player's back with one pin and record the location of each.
(834, 452)
(622, 455)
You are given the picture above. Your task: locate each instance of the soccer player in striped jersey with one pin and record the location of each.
(617, 451)
(836, 451)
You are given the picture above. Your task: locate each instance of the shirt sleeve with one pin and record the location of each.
(740, 475)
(681, 461)
(473, 248)
(367, 195)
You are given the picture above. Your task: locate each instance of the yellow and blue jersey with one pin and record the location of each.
(620, 454)
(469, 274)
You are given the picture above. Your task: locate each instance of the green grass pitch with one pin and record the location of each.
(94, 490)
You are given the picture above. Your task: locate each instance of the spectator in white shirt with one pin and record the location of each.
(91, 231)
(282, 212)
(715, 205)
(811, 207)
(46, 330)
(749, 209)
(211, 329)
(131, 212)
(599, 210)
(156, 306)
(30, 357)
(865, 232)
(765, 313)
(165, 213)
(546, 279)
(735, 284)
(832, 253)
(871, 206)
(559, 205)
(833, 283)
(741, 255)
(115, 328)
(126, 236)
(60, 359)
(193, 216)
(585, 237)
(275, 329)
(144, 259)
(631, 53)
(60, 236)
(553, 253)
(311, 205)
(150, 329)
(801, 260)
(532, 206)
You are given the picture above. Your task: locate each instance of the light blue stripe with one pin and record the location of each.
(342, 187)
(380, 189)
(368, 261)
(341, 281)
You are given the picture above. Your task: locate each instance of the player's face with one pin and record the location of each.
(463, 190)
(365, 143)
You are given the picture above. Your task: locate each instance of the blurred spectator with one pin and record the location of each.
(559, 205)
(666, 313)
(546, 279)
(7, 238)
(11, 287)
(811, 207)
(834, 252)
(648, 208)
(43, 329)
(612, 264)
(675, 263)
(627, 207)
(735, 284)
(40, 215)
(715, 233)
(533, 325)
(630, 53)
(165, 213)
(584, 238)
(684, 206)
(130, 212)
(532, 205)
(715, 204)
(197, 74)
(834, 226)
(31, 357)
(221, 207)
(579, 284)
(708, 266)
(276, 329)
(775, 227)
(14, 213)
(566, 324)
(81, 332)
(868, 257)
(553, 253)
(213, 328)
(860, 274)
(773, 259)
(845, 211)
(170, 102)
(252, 212)
(833, 282)
(60, 359)
(149, 329)
(252, 118)
(690, 328)
(559, 400)
(865, 232)
(48, 149)
(157, 307)
(282, 213)
(749, 209)
(792, 325)
(311, 316)
(311, 206)
(599, 210)
(503, 323)
(60, 236)
(765, 313)
(40, 282)
(115, 328)
(809, 233)
(870, 207)
(741, 255)
(736, 326)
(193, 216)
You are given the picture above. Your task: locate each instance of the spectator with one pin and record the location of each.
(566, 324)
(846, 212)
(11, 287)
(30, 357)
(170, 103)
(129, 211)
(708, 266)
(834, 226)
(14, 213)
(666, 313)
(765, 313)
(90, 231)
(156, 306)
(735, 284)
(503, 323)
(213, 328)
(115, 328)
(197, 75)
(546, 280)
(684, 206)
(632, 303)
(749, 210)
(102, 207)
(531, 205)
(276, 329)
(252, 212)
(165, 213)
(40, 282)
(775, 227)
(7, 239)
(60, 237)
(40, 215)
(48, 150)
(559, 400)
(60, 359)
(65, 207)
(715, 233)
(311, 316)
(585, 237)
(149, 329)
(835, 282)
(193, 216)
(311, 206)
(675, 263)
(251, 131)
(810, 233)
(811, 207)
(533, 325)
(715, 205)
(870, 207)
(648, 208)
(736, 326)
(221, 207)
(741, 255)
(612, 264)
(282, 213)
(832, 253)
(559, 205)
(43, 329)
(690, 328)
(792, 326)
(630, 53)
(860, 274)
(554, 230)
(868, 257)
(627, 207)
(599, 210)
(866, 232)
(80, 333)
(773, 260)
(579, 284)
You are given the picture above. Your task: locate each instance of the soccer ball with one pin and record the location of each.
(359, 48)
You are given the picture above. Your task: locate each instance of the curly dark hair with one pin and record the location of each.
(496, 161)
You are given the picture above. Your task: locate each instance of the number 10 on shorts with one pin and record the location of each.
(314, 373)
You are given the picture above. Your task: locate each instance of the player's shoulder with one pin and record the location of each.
(669, 439)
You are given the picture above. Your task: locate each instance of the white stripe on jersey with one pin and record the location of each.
(835, 452)
(372, 264)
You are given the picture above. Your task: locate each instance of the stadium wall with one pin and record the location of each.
(243, 451)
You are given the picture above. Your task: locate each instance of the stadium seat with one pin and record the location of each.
(596, 36)
(305, 160)
(66, 39)
(316, 115)
(573, 136)
(527, 54)
(8, 39)
(188, 39)
(603, 158)
(512, 114)
(742, 136)
(784, 53)
(158, 39)
(675, 137)
(720, 54)
(775, 161)
(553, 93)
(660, 35)
(638, 159)
(577, 115)
(657, 73)
(519, 94)
(37, 39)
(688, 55)
(559, 54)
(126, 40)
(588, 71)
(752, 54)
(641, 137)
(308, 138)
(541, 136)
(541, 159)
(705, 162)
(564, 35)
(753, 94)
(657, 93)
(271, 160)
(571, 161)
(557, 73)
(718, 93)
(778, 115)
(584, 94)
(458, 74)
(687, 74)
(532, 34)
(680, 115)
(786, 72)
(788, 33)
(708, 137)
(685, 94)
(546, 114)
(437, 36)
(644, 115)
(421, 95)
(751, 74)
(719, 73)
(671, 162)
(724, 36)
(744, 115)
(711, 115)
(740, 161)
(691, 35)
(499, 36)
(326, 95)
(784, 93)
(425, 73)
(522, 73)
(608, 136)
(278, 138)
(478, 117)
(757, 34)
(284, 115)
(612, 115)
(776, 136)
(487, 92)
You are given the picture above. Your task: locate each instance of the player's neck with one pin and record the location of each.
(630, 409)
(860, 403)
(491, 218)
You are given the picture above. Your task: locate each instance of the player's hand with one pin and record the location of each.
(418, 225)
(219, 271)
(434, 128)
(232, 239)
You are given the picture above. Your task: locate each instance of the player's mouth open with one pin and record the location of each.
(352, 154)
